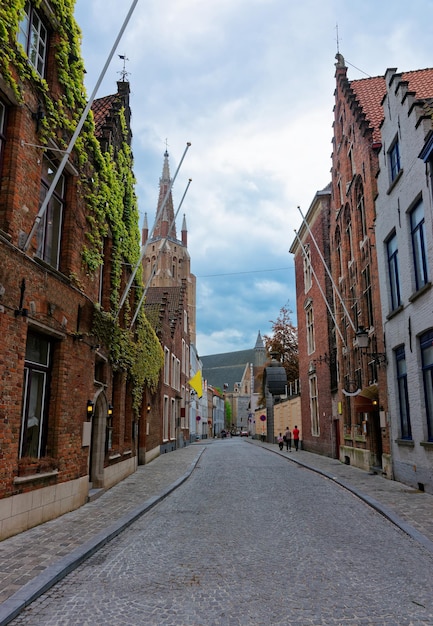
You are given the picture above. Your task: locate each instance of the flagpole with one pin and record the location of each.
(80, 124)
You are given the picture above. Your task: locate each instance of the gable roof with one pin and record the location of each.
(161, 299)
(101, 108)
(369, 93)
(227, 368)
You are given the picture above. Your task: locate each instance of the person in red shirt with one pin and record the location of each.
(295, 433)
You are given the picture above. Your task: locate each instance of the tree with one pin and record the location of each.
(284, 342)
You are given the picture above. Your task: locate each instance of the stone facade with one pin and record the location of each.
(404, 225)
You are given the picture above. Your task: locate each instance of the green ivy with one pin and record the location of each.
(111, 203)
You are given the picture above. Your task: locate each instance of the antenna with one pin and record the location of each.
(338, 39)
(123, 73)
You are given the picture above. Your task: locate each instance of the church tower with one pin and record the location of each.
(167, 257)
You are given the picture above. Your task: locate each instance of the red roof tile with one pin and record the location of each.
(370, 92)
(101, 109)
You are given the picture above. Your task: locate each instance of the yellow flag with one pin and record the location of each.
(196, 383)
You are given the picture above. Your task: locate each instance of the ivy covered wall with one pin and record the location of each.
(107, 183)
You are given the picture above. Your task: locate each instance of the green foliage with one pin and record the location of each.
(228, 413)
(284, 342)
(139, 353)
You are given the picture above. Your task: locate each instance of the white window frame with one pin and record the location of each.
(166, 365)
(314, 406)
(33, 36)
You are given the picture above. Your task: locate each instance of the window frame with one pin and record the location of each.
(49, 232)
(426, 345)
(309, 325)
(314, 405)
(34, 37)
(403, 393)
(394, 159)
(419, 254)
(393, 272)
(37, 377)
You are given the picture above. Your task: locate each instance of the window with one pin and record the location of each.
(173, 418)
(367, 297)
(314, 407)
(33, 36)
(339, 252)
(166, 366)
(361, 212)
(417, 229)
(50, 226)
(394, 160)
(307, 269)
(426, 343)
(35, 391)
(351, 161)
(310, 328)
(165, 419)
(403, 397)
(393, 272)
(349, 240)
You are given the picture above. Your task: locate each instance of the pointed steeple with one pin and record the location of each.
(167, 216)
(144, 230)
(259, 351)
(184, 232)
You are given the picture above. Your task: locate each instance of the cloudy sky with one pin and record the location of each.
(250, 84)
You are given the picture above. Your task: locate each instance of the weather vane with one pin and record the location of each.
(123, 73)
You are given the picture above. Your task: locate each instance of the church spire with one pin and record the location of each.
(167, 216)
(184, 232)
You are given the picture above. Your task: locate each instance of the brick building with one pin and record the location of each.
(362, 388)
(316, 330)
(71, 384)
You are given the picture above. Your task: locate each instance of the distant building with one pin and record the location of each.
(238, 374)
(170, 305)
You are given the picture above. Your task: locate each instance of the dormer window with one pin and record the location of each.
(33, 36)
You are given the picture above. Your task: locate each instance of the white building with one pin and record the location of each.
(404, 240)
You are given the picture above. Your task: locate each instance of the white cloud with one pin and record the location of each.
(250, 84)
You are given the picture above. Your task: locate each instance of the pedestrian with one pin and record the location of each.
(288, 439)
(280, 441)
(296, 438)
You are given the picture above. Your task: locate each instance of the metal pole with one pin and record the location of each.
(76, 133)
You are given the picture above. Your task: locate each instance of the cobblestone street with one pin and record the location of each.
(249, 538)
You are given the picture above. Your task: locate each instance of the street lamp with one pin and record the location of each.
(362, 341)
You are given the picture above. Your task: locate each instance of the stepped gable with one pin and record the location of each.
(158, 299)
(102, 108)
(369, 94)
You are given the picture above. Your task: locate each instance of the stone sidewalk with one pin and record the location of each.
(31, 562)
